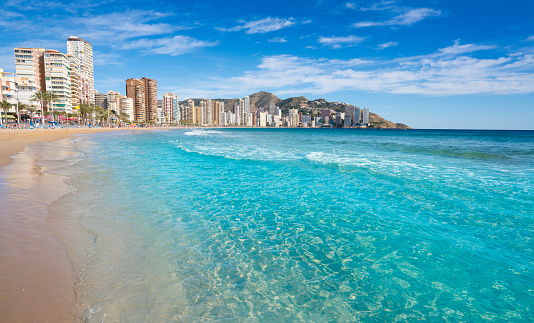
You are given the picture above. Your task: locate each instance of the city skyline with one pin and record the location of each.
(429, 64)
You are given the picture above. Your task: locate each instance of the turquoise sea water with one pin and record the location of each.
(307, 225)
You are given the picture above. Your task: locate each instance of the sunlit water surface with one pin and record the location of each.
(302, 224)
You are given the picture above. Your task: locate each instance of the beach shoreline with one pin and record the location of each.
(37, 276)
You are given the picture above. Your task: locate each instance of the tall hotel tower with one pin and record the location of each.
(144, 93)
(83, 52)
(28, 64)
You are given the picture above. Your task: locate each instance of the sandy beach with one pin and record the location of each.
(36, 275)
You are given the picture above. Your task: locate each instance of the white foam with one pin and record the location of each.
(201, 132)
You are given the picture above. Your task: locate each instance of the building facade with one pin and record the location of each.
(365, 117)
(101, 100)
(144, 93)
(170, 108)
(55, 78)
(83, 51)
(28, 65)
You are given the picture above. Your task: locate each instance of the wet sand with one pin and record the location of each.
(13, 141)
(36, 275)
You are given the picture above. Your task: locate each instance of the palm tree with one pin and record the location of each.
(99, 112)
(85, 109)
(51, 98)
(42, 98)
(32, 112)
(124, 117)
(21, 107)
(5, 106)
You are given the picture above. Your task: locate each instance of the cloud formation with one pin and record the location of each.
(442, 73)
(172, 46)
(378, 6)
(388, 44)
(278, 40)
(261, 26)
(406, 18)
(339, 42)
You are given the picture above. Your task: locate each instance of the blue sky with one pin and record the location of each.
(429, 64)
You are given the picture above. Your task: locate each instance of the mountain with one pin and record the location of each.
(304, 105)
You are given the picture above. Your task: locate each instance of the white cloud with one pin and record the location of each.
(172, 46)
(105, 59)
(436, 74)
(111, 28)
(339, 42)
(531, 38)
(457, 49)
(381, 5)
(388, 44)
(125, 25)
(262, 26)
(406, 18)
(350, 5)
(278, 40)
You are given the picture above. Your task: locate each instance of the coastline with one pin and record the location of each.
(37, 276)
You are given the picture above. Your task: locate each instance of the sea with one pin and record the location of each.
(299, 225)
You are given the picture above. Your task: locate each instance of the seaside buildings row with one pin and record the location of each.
(69, 76)
(205, 112)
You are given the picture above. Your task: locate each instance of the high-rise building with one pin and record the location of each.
(272, 108)
(74, 85)
(325, 115)
(83, 51)
(339, 118)
(357, 115)
(237, 113)
(220, 114)
(101, 100)
(113, 100)
(246, 110)
(127, 106)
(135, 90)
(365, 117)
(55, 78)
(8, 87)
(241, 111)
(209, 112)
(28, 66)
(191, 112)
(349, 115)
(170, 108)
(294, 117)
(144, 93)
(151, 98)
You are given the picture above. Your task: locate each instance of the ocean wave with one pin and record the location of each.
(330, 158)
(201, 132)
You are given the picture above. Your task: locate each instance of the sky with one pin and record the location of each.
(430, 64)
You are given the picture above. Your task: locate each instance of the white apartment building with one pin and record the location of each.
(83, 51)
(114, 101)
(127, 106)
(293, 117)
(27, 65)
(57, 79)
(365, 117)
(357, 115)
(74, 86)
(246, 102)
(262, 119)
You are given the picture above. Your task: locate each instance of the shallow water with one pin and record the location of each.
(302, 224)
